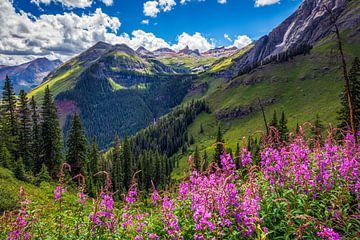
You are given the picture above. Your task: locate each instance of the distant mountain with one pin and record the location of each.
(28, 75)
(188, 51)
(307, 25)
(114, 89)
(221, 52)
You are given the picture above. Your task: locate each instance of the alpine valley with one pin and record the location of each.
(258, 142)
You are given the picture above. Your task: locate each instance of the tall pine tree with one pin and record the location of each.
(282, 128)
(219, 149)
(196, 159)
(24, 130)
(117, 173)
(127, 159)
(51, 135)
(93, 168)
(77, 147)
(36, 136)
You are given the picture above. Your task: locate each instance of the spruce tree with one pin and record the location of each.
(24, 129)
(9, 118)
(317, 128)
(93, 168)
(201, 131)
(77, 147)
(274, 120)
(50, 134)
(219, 149)
(283, 129)
(205, 163)
(6, 159)
(36, 136)
(43, 175)
(127, 161)
(196, 159)
(19, 171)
(117, 166)
(238, 156)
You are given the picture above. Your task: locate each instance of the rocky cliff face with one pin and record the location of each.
(308, 24)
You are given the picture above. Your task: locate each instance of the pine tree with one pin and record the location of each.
(219, 149)
(317, 128)
(77, 147)
(9, 118)
(19, 171)
(51, 135)
(344, 113)
(201, 131)
(93, 168)
(205, 163)
(274, 121)
(43, 175)
(297, 129)
(6, 159)
(36, 136)
(127, 161)
(24, 129)
(117, 172)
(238, 156)
(196, 159)
(283, 129)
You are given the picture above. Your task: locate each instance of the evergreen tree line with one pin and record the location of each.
(302, 49)
(30, 135)
(343, 114)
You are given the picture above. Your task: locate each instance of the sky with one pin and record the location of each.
(61, 29)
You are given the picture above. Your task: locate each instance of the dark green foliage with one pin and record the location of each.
(127, 110)
(201, 131)
(127, 159)
(77, 147)
(219, 149)
(283, 129)
(205, 162)
(6, 159)
(36, 136)
(196, 159)
(317, 128)
(51, 137)
(238, 156)
(19, 170)
(93, 168)
(117, 173)
(344, 116)
(24, 131)
(9, 128)
(43, 175)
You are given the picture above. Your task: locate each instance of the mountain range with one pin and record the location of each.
(28, 75)
(117, 89)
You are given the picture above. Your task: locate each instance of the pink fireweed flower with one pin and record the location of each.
(104, 217)
(59, 190)
(183, 190)
(82, 198)
(155, 197)
(131, 195)
(328, 233)
(170, 220)
(245, 157)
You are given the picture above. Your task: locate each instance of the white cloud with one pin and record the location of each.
(55, 36)
(167, 5)
(68, 3)
(221, 1)
(145, 22)
(242, 41)
(108, 2)
(226, 36)
(195, 41)
(261, 3)
(151, 8)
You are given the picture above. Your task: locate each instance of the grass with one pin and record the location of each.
(58, 84)
(115, 86)
(188, 62)
(301, 88)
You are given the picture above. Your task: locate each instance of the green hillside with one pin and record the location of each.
(302, 88)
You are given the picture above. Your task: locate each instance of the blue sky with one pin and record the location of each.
(200, 24)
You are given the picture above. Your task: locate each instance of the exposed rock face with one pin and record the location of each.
(188, 51)
(198, 89)
(308, 24)
(220, 52)
(144, 52)
(242, 111)
(28, 75)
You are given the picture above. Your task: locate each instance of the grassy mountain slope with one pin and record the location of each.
(303, 87)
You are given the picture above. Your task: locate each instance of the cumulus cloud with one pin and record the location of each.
(145, 22)
(195, 41)
(56, 36)
(221, 1)
(242, 41)
(68, 3)
(261, 3)
(226, 36)
(108, 2)
(151, 8)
